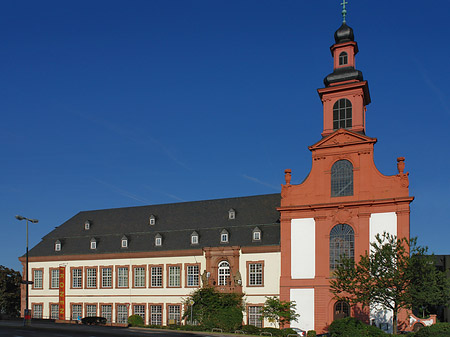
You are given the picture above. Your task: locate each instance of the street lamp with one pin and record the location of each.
(26, 282)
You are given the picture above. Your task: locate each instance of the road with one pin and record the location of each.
(16, 329)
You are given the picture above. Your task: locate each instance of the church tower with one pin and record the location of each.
(344, 201)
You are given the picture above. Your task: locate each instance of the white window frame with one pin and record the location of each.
(124, 243)
(156, 277)
(37, 311)
(38, 279)
(76, 312)
(256, 236)
(174, 313)
(91, 310)
(174, 276)
(224, 272)
(77, 278)
(158, 241)
(54, 279)
(106, 277)
(193, 276)
(139, 309)
(139, 277)
(57, 246)
(254, 314)
(255, 274)
(106, 312)
(91, 277)
(224, 237)
(122, 314)
(54, 311)
(122, 277)
(194, 239)
(93, 244)
(156, 315)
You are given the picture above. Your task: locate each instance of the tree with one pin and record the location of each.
(282, 312)
(213, 309)
(10, 281)
(392, 275)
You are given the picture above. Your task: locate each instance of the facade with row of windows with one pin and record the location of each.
(147, 260)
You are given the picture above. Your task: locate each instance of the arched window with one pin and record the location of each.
(224, 273)
(341, 310)
(341, 178)
(343, 58)
(342, 243)
(342, 114)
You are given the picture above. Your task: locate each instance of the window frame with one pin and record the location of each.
(102, 277)
(140, 305)
(86, 307)
(118, 268)
(144, 267)
(168, 313)
(342, 180)
(249, 320)
(33, 311)
(150, 313)
(73, 318)
(161, 268)
(343, 58)
(342, 106)
(169, 280)
(223, 277)
(187, 266)
(33, 275)
(127, 306)
(255, 273)
(51, 278)
(350, 232)
(90, 278)
(80, 277)
(101, 311)
(50, 312)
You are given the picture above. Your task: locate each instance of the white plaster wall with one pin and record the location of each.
(113, 295)
(272, 272)
(304, 298)
(303, 248)
(379, 223)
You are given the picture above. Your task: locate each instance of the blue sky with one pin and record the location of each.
(110, 104)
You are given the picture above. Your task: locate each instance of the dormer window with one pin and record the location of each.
(124, 242)
(57, 246)
(158, 240)
(194, 238)
(343, 58)
(224, 236)
(152, 220)
(93, 243)
(231, 214)
(87, 225)
(256, 234)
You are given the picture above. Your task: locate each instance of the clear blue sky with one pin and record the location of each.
(110, 104)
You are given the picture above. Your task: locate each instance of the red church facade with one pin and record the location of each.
(343, 203)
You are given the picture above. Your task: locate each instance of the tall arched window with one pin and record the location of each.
(342, 114)
(342, 243)
(343, 58)
(224, 273)
(341, 310)
(341, 178)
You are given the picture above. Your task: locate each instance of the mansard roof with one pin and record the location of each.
(176, 222)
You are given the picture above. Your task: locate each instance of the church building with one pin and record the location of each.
(147, 260)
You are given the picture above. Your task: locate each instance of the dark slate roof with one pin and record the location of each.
(344, 34)
(175, 222)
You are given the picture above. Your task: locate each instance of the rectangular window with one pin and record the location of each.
(139, 277)
(106, 277)
(254, 316)
(139, 309)
(54, 311)
(122, 277)
(37, 310)
(174, 314)
(54, 278)
(193, 276)
(156, 276)
(77, 278)
(91, 277)
(156, 315)
(122, 314)
(76, 311)
(91, 310)
(174, 276)
(37, 279)
(106, 312)
(255, 274)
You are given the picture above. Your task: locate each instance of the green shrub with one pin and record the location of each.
(352, 327)
(311, 333)
(435, 330)
(288, 331)
(251, 330)
(273, 331)
(135, 320)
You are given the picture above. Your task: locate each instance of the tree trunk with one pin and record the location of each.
(394, 321)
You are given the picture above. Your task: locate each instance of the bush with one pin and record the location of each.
(274, 331)
(251, 330)
(435, 330)
(311, 333)
(135, 320)
(352, 327)
(289, 331)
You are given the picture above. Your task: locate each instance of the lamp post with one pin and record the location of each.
(27, 311)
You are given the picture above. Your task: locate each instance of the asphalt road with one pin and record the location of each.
(16, 329)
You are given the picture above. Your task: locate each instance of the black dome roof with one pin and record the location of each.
(344, 34)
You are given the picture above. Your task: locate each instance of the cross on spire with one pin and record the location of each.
(344, 11)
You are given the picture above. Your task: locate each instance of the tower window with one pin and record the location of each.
(343, 58)
(342, 244)
(342, 114)
(341, 178)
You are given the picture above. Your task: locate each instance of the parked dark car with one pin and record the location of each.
(94, 320)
